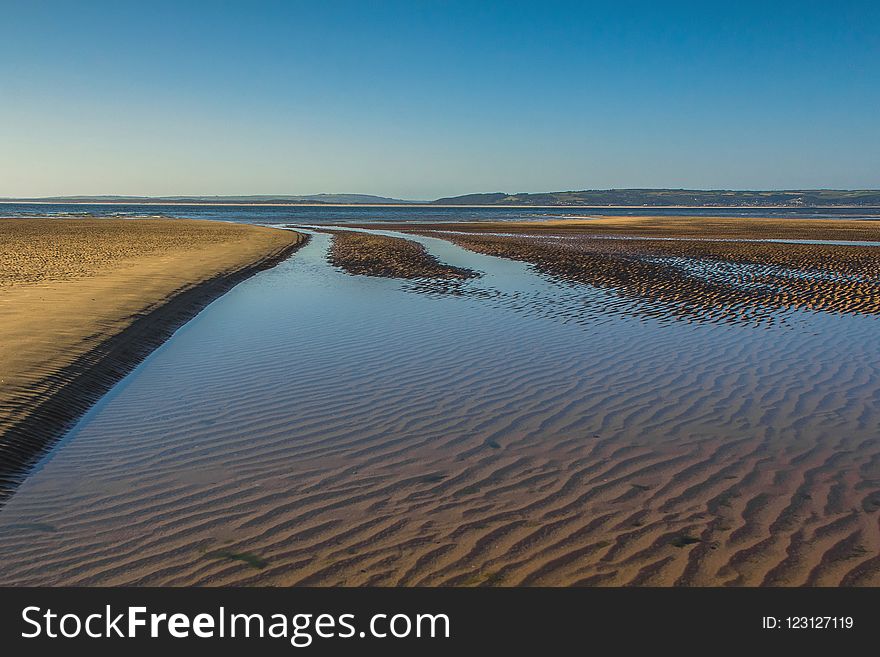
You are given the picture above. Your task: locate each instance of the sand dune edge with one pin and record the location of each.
(33, 416)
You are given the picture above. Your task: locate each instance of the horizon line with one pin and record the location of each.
(309, 196)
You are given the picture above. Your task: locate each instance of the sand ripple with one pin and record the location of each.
(317, 428)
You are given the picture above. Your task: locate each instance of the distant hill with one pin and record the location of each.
(262, 198)
(684, 197)
(351, 198)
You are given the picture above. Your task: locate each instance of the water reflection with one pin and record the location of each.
(313, 427)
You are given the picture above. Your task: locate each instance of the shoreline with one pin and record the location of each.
(661, 428)
(453, 205)
(706, 228)
(363, 254)
(52, 402)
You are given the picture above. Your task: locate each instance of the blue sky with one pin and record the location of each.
(425, 99)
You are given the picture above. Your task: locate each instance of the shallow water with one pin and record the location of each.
(433, 214)
(510, 429)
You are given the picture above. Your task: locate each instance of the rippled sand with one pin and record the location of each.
(379, 255)
(84, 300)
(517, 428)
(703, 280)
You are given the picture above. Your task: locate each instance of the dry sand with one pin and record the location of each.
(84, 300)
(701, 227)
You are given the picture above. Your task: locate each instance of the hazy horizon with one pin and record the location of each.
(424, 101)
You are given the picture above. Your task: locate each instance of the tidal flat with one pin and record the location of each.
(574, 409)
(84, 300)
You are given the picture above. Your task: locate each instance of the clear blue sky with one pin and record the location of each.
(423, 99)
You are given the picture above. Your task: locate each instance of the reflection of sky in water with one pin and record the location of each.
(748, 275)
(304, 351)
(355, 214)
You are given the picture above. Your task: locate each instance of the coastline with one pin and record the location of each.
(659, 427)
(139, 303)
(452, 205)
(648, 226)
(361, 254)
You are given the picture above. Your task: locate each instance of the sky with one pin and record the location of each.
(424, 99)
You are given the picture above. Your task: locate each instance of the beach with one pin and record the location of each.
(667, 226)
(393, 257)
(426, 406)
(704, 269)
(84, 300)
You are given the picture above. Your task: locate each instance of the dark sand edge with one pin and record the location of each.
(846, 281)
(78, 386)
(369, 254)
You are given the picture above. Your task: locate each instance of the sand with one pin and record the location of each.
(377, 436)
(707, 279)
(701, 227)
(541, 435)
(379, 255)
(84, 300)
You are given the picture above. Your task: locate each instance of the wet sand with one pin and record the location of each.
(694, 227)
(527, 429)
(704, 281)
(84, 300)
(378, 255)
(694, 268)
